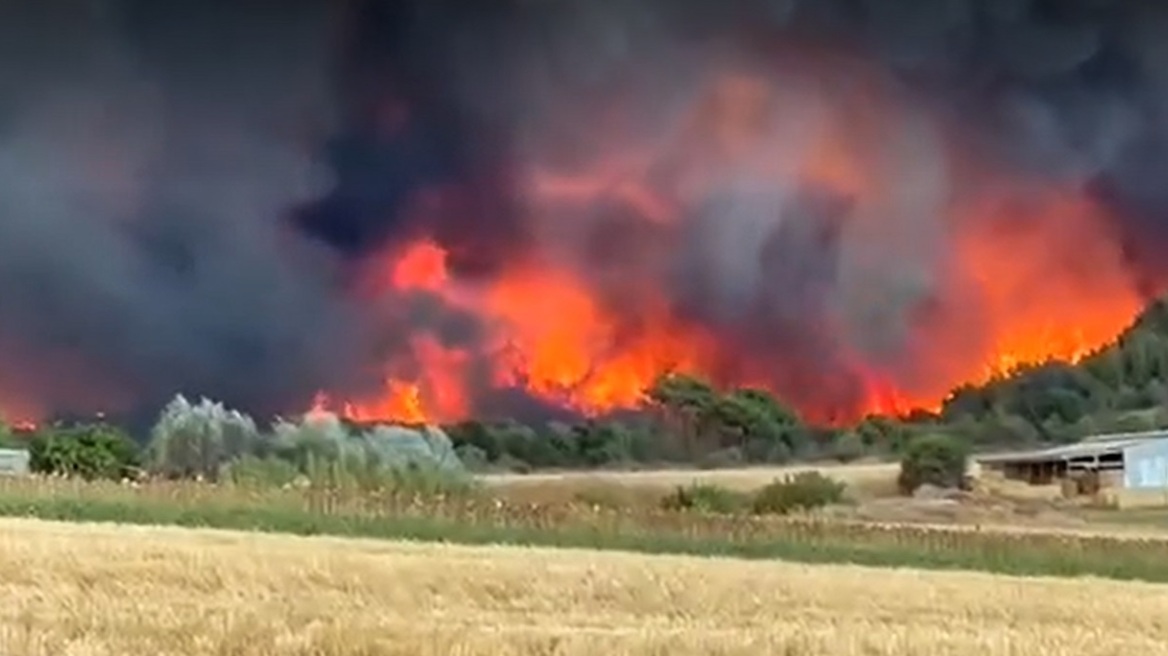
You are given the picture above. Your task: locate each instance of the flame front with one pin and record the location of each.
(1013, 271)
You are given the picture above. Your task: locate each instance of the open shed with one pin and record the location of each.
(1135, 461)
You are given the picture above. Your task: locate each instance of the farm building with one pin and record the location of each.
(1129, 461)
(14, 462)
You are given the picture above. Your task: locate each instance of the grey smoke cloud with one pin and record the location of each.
(138, 197)
(148, 152)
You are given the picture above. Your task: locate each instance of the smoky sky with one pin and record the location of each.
(184, 186)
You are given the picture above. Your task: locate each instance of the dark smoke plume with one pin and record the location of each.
(182, 187)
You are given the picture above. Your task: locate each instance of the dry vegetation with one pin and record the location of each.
(745, 478)
(89, 590)
(871, 490)
(475, 518)
(864, 480)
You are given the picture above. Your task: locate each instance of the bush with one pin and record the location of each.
(934, 459)
(316, 437)
(329, 454)
(879, 433)
(398, 448)
(703, 497)
(847, 447)
(803, 491)
(197, 440)
(89, 451)
(322, 435)
(472, 457)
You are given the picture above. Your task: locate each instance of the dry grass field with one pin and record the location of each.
(863, 480)
(88, 590)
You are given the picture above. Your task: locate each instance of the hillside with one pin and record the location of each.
(1120, 387)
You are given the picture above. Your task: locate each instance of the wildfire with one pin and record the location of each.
(422, 266)
(1025, 280)
(1052, 282)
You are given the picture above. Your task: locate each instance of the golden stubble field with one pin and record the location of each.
(632, 488)
(82, 590)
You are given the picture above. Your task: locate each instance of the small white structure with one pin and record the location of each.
(14, 462)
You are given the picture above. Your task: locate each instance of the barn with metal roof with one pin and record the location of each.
(1134, 461)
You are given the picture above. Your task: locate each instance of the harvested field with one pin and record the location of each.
(866, 479)
(102, 589)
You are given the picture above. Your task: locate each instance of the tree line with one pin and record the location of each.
(686, 420)
(1121, 387)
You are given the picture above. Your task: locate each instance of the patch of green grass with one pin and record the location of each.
(810, 543)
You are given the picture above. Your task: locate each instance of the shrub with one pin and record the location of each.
(88, 451)
(935, 459)
(197, 440)
(472, 457)
(330, 454)
(598, 444)
(883, 434)
(847, 447)
(322, 435)
(317, 436)
(399, 448)
(703, 497)
(802, 491)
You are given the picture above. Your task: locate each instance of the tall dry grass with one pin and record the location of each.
(87, 590)
(476, 520)
(865, 478)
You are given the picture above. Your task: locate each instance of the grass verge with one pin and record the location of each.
(475, 522)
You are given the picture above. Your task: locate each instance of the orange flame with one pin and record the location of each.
(1025, 281)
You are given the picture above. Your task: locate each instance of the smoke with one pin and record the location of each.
(144, 158)
(167, 174)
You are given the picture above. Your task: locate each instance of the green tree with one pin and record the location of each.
(754, 422)
(684, 404)
(934, 459)
(191, 441)
(884, 434)
(478, 435)
(847, 447)
(749, 420)
(88, 451)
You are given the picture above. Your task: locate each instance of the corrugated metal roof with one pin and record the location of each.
(1081, 450)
